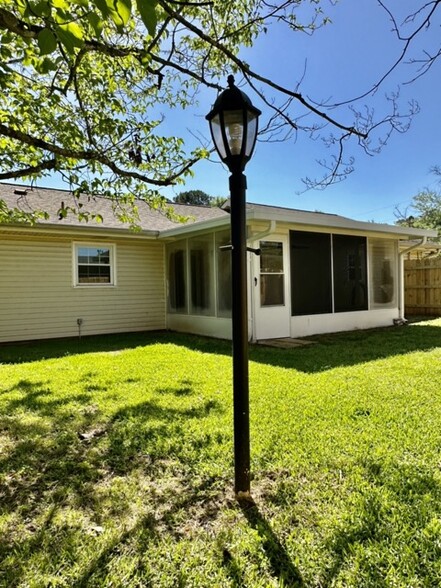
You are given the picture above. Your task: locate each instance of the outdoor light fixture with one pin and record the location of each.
(233, 125)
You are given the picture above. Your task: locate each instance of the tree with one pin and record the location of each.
(83, 82)
(199, 198)
(425, 208)
(196, 197)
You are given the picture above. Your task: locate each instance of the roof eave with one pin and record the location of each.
(79, 230)
(331, 221)
(193, 227)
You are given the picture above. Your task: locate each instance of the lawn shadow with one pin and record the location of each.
(331, 350)
(151, 432)
(280, 562)
(37, 397)
(370, 521)
(27, 351)
(62, 454)
(327, 352)
(145, 526)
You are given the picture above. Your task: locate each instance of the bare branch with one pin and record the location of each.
(407, 43)
(246, 71)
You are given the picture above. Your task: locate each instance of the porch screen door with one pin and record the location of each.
(272, 301)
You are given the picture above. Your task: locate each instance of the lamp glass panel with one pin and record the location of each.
(234, 128)
(251, 134)
(216, 132)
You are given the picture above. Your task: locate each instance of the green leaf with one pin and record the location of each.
(47, 41)
(147, 11)
(60, 4)
(118, 10)
(71, 35)
(46, 65)
(103, 8)
(123, 9)
(42, 8)
(96, 23)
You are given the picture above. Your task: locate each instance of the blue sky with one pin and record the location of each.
(340, 61)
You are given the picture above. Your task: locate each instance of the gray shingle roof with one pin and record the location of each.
(28, 199)
(155, 222)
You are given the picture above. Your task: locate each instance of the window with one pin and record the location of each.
(199, 275)
(223, 265)
(272, 279)
(177, 282)
(94, 265)
(328, 273)
(350, 273)
(383, 273)
(311, 284)
(201, 256)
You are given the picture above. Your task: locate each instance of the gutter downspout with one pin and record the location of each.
(257, 237)
(401, 293)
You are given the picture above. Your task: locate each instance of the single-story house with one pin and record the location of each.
(316, 272)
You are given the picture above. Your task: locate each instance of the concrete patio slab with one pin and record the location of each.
(284, 343)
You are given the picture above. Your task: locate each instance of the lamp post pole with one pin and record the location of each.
(240, 334)
(233, 124)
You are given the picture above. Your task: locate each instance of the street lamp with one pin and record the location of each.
(233, 125)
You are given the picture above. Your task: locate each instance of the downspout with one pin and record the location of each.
(401, 294)
(271, 229)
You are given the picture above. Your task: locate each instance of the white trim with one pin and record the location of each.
(331, 250)
(368, 271)
(113, 273)
(315, 324)
(331, 221)
(210, 326)
(195, 227)
(69, 231)
(272, 321)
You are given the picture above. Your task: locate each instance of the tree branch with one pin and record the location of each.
(251, 74)
(407, 42)
(10, 22)
(86, 155)
(28, 171)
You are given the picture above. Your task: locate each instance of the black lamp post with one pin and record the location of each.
(233, 125)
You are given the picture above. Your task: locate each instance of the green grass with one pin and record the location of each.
(116, 463)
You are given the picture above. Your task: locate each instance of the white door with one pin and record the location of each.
(271, 289)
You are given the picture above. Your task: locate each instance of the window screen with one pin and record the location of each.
(177, 283)
(201, 275)
(223, 265)
(383, 273)
(310, 273)
(350, 274)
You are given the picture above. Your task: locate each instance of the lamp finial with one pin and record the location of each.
(230, 81)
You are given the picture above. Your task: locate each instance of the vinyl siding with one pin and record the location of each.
(38, 299)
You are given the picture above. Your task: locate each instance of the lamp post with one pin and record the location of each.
(233, 125)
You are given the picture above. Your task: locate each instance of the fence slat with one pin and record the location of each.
(422, 286)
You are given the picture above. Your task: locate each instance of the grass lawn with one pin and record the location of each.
(116, 463)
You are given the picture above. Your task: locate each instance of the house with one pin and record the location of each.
(316, 272)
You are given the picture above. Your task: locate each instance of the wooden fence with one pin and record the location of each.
(422, 286)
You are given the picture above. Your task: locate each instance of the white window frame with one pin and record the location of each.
(112, 251)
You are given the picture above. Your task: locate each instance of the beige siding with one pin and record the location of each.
(38, 298)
